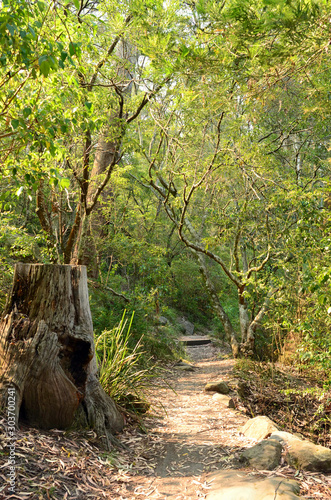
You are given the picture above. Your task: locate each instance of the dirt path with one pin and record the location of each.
(190, 436)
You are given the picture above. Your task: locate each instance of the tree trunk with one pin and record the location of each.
(218, 308)
(47, 352)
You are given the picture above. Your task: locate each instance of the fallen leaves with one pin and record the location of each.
(179, 446)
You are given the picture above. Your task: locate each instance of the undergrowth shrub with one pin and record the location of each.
(121, 368)
(296, 403)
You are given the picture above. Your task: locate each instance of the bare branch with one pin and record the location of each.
(266, 259)
(236, 245)
(109, 53)
(103, 287)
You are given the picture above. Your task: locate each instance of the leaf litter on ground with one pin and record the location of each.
(70, 465)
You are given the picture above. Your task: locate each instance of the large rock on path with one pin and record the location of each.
(265, 455)
(238, 485)
(219, 386)
(224, 400)
(259, 428)
(303, 454)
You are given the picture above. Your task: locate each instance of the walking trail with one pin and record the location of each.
(190, 433)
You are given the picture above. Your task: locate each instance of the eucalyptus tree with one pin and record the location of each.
(64, 131)
(70, 125)
(225, 164)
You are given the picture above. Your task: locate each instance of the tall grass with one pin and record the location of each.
(120, 367)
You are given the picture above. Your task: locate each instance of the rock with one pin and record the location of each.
(265, 455)
(303, 454)
(283, 437)
(220, 387)
(185, 366)
(224, 400)
(162, 321)
(187, 326)
(259, 428)
(238, 485)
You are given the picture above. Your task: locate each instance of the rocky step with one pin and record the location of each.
(194, 340)
(239, 485)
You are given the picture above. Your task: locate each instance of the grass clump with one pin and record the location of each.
(122, 369)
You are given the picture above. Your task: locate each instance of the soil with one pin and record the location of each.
(190, 433)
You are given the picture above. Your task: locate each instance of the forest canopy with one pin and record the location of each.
(179, 150)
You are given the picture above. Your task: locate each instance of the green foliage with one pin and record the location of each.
(229, 108)
(17, 244)
(120, 367)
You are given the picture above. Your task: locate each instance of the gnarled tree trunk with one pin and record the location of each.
(47, 352)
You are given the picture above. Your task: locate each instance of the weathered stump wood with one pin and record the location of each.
(47, 352)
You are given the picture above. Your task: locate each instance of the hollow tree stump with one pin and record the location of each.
(47, 352)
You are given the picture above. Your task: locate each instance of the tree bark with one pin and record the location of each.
(47, 352)
(218, 308)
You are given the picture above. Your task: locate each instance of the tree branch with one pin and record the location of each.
(109, 53)
(263, 263)
(103, 287)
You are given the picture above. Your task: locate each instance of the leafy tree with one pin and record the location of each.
(229, 196)
(72, 130)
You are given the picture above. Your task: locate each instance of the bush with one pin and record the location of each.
(120, 368)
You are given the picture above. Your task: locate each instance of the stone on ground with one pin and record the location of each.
(224, 400)
(259, 428)
(185, 366)
(238, 485)
(162, 320)
(187, 326)
(303, 454)
(220, 387)
(265, 455)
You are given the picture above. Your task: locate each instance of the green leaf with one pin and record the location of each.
(32, 31)
(64, 183)
(72, 48)
(41, 6)
(76, 4)
(11, 29)
(42, 58)
(15, 124)
(27, 112)
(44, 68)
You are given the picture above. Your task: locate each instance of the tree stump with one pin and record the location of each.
(47, 352)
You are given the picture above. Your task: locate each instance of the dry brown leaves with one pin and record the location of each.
(63, 465)
(186, 436)
(290, 400)
(313, 485)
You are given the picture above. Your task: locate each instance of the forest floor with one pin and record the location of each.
(187, 434)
